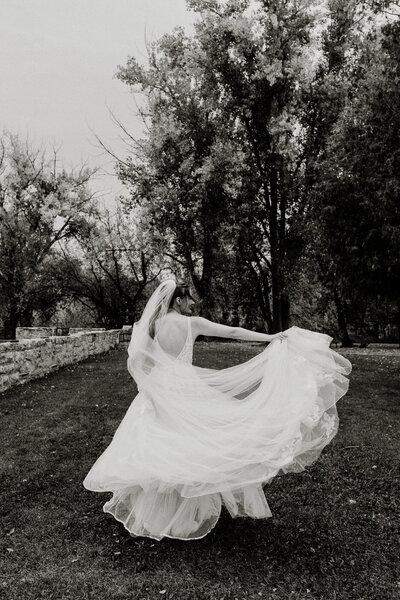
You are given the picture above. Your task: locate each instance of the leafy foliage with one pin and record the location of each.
(354, 219)
(214, 172)
(261, 139)
(39, 207)
(107, 269)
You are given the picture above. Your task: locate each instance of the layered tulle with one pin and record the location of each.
(194, 438)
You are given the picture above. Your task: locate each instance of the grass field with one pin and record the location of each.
(334, 533)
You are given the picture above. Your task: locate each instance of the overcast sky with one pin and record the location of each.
(57, 62)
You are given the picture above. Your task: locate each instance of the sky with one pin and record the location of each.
(58, 59)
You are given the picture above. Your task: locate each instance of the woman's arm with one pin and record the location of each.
(201, 326)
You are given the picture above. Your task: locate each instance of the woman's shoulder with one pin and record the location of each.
(201, 326)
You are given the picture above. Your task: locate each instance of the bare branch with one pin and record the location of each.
(108, 150)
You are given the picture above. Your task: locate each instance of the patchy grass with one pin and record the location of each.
(334, 528)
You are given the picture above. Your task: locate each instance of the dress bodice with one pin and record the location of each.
(186, 354)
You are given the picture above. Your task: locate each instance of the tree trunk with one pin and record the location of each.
(10, 324)
(276, 304)
(285, 311)
(342, 322)
(26, 317)
(398, 321)
(266, 305)
(276, 295)
(203, 284)
(275, 255)
(261, 286)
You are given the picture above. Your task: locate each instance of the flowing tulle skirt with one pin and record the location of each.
(195, 439)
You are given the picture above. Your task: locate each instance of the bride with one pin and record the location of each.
(195, 439)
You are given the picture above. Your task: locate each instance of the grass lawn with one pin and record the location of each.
(334, 532)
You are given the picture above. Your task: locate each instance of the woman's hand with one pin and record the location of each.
(278, 336)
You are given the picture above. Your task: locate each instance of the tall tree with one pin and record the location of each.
(257, 56)
(219, 159)
(238, 170)
(354, 210)
(178, 174)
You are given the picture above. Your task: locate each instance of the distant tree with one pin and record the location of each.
(39, 206)
(108, 269)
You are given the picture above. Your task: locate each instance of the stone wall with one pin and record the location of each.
(29, 333)
(79, 329)
(31, 358)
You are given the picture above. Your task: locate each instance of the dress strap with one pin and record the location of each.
(189, 331)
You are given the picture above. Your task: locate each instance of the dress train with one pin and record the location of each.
(195, 439)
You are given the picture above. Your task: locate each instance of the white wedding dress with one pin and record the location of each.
(195, 439)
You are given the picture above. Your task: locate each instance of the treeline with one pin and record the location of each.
(270, 167)
(268, 175)
(63, 258)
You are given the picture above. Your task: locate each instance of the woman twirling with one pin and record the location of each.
(195, 439)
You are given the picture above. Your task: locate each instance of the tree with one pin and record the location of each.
(259, 59)
(177, 175)
(38, 207)
(108, 269)
(239, 174)
(219, 160)
(354, 217)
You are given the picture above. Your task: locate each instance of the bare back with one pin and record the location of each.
(172, 333)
